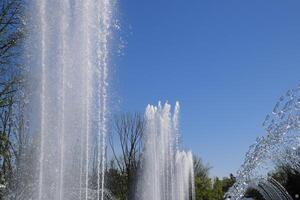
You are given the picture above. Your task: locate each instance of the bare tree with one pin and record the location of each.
(5, 145)
(11, 34)
(126, 146)
(201, 170)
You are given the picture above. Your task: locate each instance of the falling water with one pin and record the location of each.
(167, 173)
(67, 53)
(184, 176)
(281, 144)
(269, 189)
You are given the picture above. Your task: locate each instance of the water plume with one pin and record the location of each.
(66, 111)
(280, 145)
(167, 172)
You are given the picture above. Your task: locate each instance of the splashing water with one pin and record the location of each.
(167, 173)
(281, 144)
(269, 189)
(184, 176)
(67, 53)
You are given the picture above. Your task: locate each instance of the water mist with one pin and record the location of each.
(67, 54)
(167, 172)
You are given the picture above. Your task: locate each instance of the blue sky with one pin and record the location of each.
(226, 62)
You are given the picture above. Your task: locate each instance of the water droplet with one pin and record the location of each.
(69, 85)
(258, 139)
(289, 93)
(270, 128)
(266, 120)
(297, 105)
(276, 109)
(287, 106)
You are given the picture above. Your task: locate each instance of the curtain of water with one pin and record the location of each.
(167, 173)
(67, 55)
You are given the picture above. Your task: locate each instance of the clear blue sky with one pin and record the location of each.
(227, 62)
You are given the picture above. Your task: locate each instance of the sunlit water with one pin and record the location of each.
(66, 111)
(269, 189)
(167, 172)
(280, 145)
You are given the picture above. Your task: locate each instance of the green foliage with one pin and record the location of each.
(253, 194)
(203, 188)
(217, 192)
(227, 183)
(116, 184)
(206, 189)
(289, 179)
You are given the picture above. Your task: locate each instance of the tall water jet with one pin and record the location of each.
(67, 54)
(167, 173)
(281, 144)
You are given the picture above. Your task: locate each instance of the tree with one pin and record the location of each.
(227, 183)
(287, 171)
(115, 181)
(203, 188)
(11, 35)
(200, 169)
(5, 145)
(203, 184)
(128, 130)
(289, 178)
(217, 192)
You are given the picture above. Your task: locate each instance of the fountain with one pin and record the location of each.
(66, 117)
(268, 189)
(66, 111)
(167, 173)
(281, 144)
